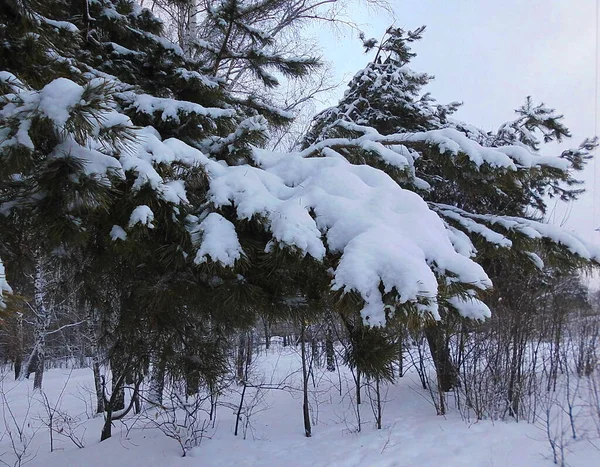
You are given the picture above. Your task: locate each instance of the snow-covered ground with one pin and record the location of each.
(412, 433)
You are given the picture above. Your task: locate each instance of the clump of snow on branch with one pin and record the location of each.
(219, 241)
(142, 215)
(482, 223)
(118, 233)
(470, 307)
(392, 148)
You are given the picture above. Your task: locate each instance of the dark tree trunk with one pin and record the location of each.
(249, 348)
(401, 354)
(157, 380)
(118, 386)
(239, 411)
(378, 394)
(305, 406)
(81, 347)
(39, 369)
(118, 369)
(267, 334)
(329, 350)
(358, 399)
(241, 356)
(29, 366)
(440, 352)
(17, 364)
(19, 349)
(192, 378)
(137, 408)
(107, 428)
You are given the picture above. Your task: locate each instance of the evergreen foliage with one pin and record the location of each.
(134, 186)
(493, 208)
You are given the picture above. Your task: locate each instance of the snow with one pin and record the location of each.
(164, 43)
(95, 162)
(461, 241)
(174, 192)
(58, 97)
(142, 155)
(118, 233)
(470, 225)
(376, 256)
(256, 123)
(470, 307)
(390, 156)
(55, 101)
(536, 260)
(110, 12)
(4, 287)
(12, 81)
(449, 141)
(141, 215)
(412, 434)
(57, 24)
(386, 235)
(120, 50)
(219, 241)
(509, 157)
(149, 153)
(171, 108)
(187, 75)
(528, 227)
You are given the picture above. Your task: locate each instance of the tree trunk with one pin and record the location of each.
(107, 428)
(378, 394)
(241, 356)
(267, 334)
(314, 349)
(305, 406)
(92, 333)
(191, 29)
(249, 348)
(18, 363)
(118, 389)
(401, 354)
(42, 322)
(440, 352)
(118, 369)
(239, 411)
(329, 351)
(157, 380)
(98, 385)
(19, 349)
(39, 370)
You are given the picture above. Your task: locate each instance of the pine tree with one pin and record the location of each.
(106, 128)
(75, 175)
(484, 185)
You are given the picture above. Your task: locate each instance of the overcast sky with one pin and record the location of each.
(491, 55)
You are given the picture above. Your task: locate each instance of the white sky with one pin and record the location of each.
(491, 55)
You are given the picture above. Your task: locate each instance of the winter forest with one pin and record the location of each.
(202, 266)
